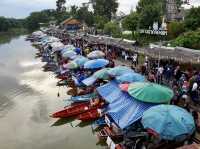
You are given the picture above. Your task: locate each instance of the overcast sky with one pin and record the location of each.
(22, 8)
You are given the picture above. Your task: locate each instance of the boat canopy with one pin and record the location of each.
(123, 108)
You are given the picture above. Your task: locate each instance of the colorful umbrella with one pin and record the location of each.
(71, 65)
(169, 121)
(81, 60)
(69, 54)
(130, 77)
(96, 54)
(96, 64)
(119, 70)
(102, 74)
(150, 92)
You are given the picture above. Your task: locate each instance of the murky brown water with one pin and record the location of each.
(27, 97)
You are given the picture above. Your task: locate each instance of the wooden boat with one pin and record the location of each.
(107, 131)
(75, 110)
(89, 116)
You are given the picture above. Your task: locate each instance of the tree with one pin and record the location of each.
(73, 11)
(4, 25)
(175, 29)
(84, 15)
(189, 40)
(192, 19)
(60, 6)
(33, 21)
(100, 21)
(149, 12)
(113, 29)
(131, 22)
(105, 8)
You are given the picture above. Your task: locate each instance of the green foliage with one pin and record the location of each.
(113, 29)
(150, 11)
(60, 6)
(175, 29)
(82, 14)
(100, 21)
(131, 21)
(189, 40)
(105, 8)
(192, 19)
(36, 18)
(9, 23)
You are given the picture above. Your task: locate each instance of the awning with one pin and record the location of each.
(123, 108)
(126, 110)
(110, 91)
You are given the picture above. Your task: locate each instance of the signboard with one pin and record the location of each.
(156, 30)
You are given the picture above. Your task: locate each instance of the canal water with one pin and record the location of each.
(27, 97)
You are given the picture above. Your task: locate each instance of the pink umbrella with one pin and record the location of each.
(124, 87)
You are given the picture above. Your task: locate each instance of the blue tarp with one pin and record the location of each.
(123, 109)
(110, 91)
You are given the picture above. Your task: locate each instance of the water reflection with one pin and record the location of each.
(27, 97)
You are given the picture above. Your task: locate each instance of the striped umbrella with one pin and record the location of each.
(102, 74)
(150, 92)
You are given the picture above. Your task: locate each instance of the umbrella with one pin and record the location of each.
(78, 50)
(71, 65)
(102, 74)
(70, 47)
(81, 60)
(150, 92)
(119, 70)
(96, 64)
(57, 46)
(96, 54)
(124, 87)
(169, 121)
(69, 54)
(130, 77)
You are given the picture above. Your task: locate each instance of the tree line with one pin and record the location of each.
(103, 18)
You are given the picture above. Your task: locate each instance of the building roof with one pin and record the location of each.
(71, 21)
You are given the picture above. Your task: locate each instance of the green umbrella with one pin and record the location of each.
(102, 74)
(71, 65)
(150, 92)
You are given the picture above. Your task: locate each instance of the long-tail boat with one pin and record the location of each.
(89, 116)
(75, 110)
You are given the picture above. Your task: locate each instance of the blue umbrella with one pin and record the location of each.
(169, 121)
(96, 64)
(81, 60)
(130, 77)
(78, 50)
(119, 70)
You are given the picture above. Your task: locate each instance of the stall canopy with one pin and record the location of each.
(123, 108)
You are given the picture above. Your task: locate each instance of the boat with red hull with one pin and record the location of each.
(75, 110)
(89, 116)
